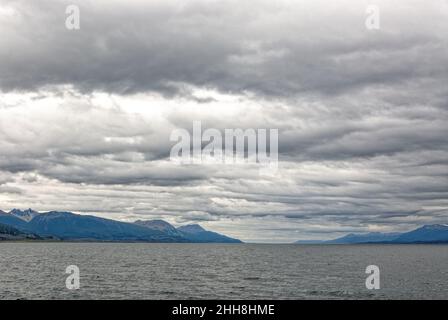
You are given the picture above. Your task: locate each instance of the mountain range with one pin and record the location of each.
(436, 233)
(68, 226)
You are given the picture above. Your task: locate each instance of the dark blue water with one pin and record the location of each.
(199, 271)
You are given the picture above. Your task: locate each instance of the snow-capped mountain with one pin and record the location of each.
(25, 215)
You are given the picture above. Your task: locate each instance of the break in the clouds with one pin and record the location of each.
(86, 115)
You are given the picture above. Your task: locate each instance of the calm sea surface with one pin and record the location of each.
(209, 271)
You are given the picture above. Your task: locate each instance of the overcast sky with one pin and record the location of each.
(86, 115)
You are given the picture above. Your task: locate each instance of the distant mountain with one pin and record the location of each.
(365, 238)
(437, 233)
(190, 233)
(70, 226)
(160, 225)
(10, 233)
(26, 215)
(191, 228)
(196, 233)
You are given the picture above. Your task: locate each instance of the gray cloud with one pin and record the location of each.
(270, 49)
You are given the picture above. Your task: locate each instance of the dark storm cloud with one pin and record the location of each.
(234, 46)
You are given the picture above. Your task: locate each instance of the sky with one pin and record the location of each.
(86, 115)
